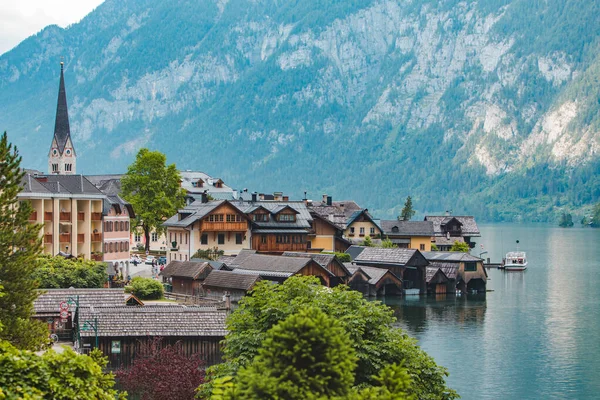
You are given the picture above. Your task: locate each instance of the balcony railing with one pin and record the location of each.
(96, 237)
(80, 238)
(96, 216)
(80, 216)
(65, 216)
(96, 257)
(33, 216)
(47, 239)
(64, 238)
(48, 216)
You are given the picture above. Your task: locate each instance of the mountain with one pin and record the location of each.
(488, 107)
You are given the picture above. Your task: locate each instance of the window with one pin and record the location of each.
(67, 167)
(211, 218)
(260, 217)
(220, 216)
(470, 266)
(116, 226)
(230, 217)
(122, 225)
(186, 238)
(372, 231)
(179, 256)
(110, 247)
(137, 237)
(127, 225)
(362, 230)
(287, 217)
(263, 239)
(154, 237)
(352, 230)
(204, 238)
(121, 246)
(54, 167)
(110, 226)
(422, 247)
(221, 238)
(239, 238)
(238, 218)
(170, 236)
(180, 237)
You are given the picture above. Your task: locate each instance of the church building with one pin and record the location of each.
(62, 158)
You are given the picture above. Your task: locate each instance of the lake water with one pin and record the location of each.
(536, 336)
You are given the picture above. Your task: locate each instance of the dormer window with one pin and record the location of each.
(260, 217)
(200, 183)
(395, 229)
(286, 217)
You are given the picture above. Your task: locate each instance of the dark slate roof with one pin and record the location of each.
(444, 241)
(31, 185)
(449, 269)
(449, 256)
(430, 273)
(230, 280)
(62, 131)
(75, 184)
(385, 256)
(266, 263)
(303, 217)
(229, 260)
(375, 274)
(215, 264)
(185, 269)
(469, 226)
(322, 258)
(337, 213)
(225, 259)
(407, 228)
(152, 320)
(354, 251)
(49, 301)
(192, 213)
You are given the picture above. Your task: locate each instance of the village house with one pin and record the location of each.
(278, 268)
(408, 234)
(186, 277)
(448, 229)
(464, 271)
(120, 332)
(221, 283)
(355, 222)
(206, 225)
(327, 261)
(372, 281)
(326, 236)
(407, 264)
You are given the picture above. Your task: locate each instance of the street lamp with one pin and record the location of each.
(92, 324)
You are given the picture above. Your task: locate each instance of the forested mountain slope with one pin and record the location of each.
(487, 107)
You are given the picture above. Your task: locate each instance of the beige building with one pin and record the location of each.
(408, 234)
(69, 210)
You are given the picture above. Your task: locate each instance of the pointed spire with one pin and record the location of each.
(61, 127)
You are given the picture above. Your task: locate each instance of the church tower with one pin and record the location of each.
(62, 158)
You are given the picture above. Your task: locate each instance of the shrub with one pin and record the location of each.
(59, 272)
(146, 288)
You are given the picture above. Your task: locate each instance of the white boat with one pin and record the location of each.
(515, 261)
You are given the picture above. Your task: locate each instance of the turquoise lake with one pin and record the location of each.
(536, 335)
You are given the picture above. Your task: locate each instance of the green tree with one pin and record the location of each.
(596, 216)
(460, 246)
(434, 247)
(20, 246)
(146, 288)
(368, 242)
(369, 325)
(59, 272)
(153, 189)
(566, 220)
(64, 376)
(407, 212)
(387, 243)
(209, 254)
(306, 356)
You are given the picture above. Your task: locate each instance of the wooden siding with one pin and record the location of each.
(314, 269)
(223, 226)
(322, 228)
(271, 246)
(186, 286)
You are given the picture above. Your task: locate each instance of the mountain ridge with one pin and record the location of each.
(470, 106)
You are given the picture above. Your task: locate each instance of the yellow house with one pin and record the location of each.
(326, 236)
(360, 224)
(408, 234)
(69, 210)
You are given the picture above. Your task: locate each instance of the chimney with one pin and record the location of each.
(253, 196)
(277, 196)
(204, 197)
(329, 200)
(261, 196)
(325, 198)
(286, 198)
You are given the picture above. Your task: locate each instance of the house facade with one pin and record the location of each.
(449, 229)
(465, 272)
(408, 234)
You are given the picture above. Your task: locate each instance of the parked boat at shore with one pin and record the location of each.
(515, 261)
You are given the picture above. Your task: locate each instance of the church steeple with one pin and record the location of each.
(62, 157)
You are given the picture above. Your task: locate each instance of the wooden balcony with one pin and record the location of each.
(48, 216)
(64, 216)
(33, 216)
(80, 216)
(224, 226)
(64, 238)
(47, 239)
(96, 216)
(96, 237)
(96, 257)
(80, 237)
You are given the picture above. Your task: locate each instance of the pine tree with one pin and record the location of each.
(20, 246)
(407, 212)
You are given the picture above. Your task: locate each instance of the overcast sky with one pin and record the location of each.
(20, 19)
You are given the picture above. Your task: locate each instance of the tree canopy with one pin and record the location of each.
(460, 246)
(59, 272)
(407, 212)
(596, 216)
(566, 220)
(153, 189)
(368, 325)
(20, 246)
